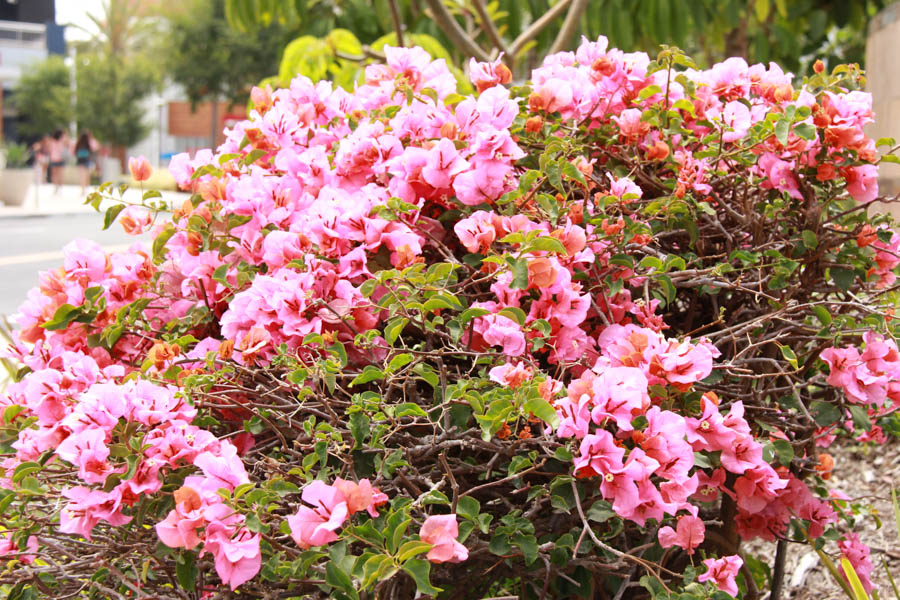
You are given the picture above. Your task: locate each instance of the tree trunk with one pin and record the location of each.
(736, 43)
(214, 125)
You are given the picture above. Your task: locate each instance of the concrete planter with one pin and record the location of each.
(14, 184)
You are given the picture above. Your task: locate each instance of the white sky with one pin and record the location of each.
(76, 12)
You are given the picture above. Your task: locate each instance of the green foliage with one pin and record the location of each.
(16, 155)
(44, 97)
(210, 60)
(320, 58)
(110, 91)
(790, 33)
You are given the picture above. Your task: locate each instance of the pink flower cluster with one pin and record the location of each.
(329, 507)
(599, 85)
(320, 188)
(869, 378)
(858, 554)
(200, 515)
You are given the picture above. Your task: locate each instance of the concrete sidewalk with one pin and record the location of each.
(44, 200)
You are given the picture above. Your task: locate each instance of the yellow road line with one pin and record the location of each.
(37, 257)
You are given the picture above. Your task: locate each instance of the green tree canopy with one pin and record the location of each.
(109, 97)
(792, 33)
(43, 97)
(116, 69)
(213, 61)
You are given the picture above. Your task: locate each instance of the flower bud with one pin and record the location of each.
(140, 168)
(261, 98)
(818, 66)
(449, 130)
(534, 124)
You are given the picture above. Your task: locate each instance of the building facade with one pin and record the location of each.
(28, 34)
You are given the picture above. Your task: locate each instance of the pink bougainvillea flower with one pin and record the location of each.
(237, 556)
(498, 330)
(511, 375)
(441, 532)
(722, 572)
(858, 554)
(140, 168)
(689, 534)
(316, 526)
(361, 496)
(8, 546)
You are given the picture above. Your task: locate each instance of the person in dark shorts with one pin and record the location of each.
(84, 158)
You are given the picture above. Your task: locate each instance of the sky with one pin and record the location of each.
(76, 12)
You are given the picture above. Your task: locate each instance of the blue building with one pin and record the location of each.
(28, 34)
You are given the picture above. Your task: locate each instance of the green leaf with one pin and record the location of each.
(359, 428)
(528, 545)
(859, 592)
(468, 507)
(393, 328)
(369, 373)
(545, 244)
(515, 313)
(825, 413)
(377, 568)
(860, 417)
(520, 274)
(782, 129)
(789, 356)
(159, 244)
(542, 410)
(253, 156)
(843, 278)
(409, 409)
(398, 362)
(806, 131)
(64, 315)
(822, 315)
(784, 451)
(411, 549)
(25, 469)
(600, 511)
(809, 239)
(111, 213)
(338, 578)
(420, 571)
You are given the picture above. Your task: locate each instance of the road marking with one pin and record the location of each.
(38, 257)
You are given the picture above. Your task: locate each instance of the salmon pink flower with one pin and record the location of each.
(140, 168)
(689, 534)
(361, 496)
(441, 532)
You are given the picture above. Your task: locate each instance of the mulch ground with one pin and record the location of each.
(866, 474)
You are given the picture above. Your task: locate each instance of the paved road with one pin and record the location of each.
(29, 245)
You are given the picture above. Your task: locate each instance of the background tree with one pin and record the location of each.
(109, 98)
(115, 70)
(791, 33)
(43, 97)
(213, 61)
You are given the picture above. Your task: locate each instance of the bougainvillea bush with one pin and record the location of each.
(577, 338)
